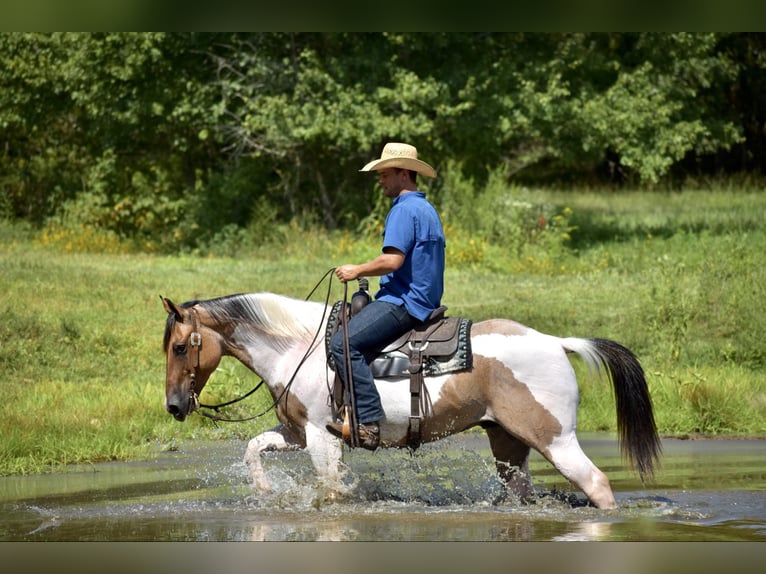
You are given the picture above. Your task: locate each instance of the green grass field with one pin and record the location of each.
(679, 278)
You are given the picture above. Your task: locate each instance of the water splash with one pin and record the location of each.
(444, 491)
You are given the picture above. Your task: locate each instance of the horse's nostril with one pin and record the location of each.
(176, 412)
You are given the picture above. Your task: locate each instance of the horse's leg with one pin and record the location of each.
(278, 438)
(511, 460)
(326, 454)
(569, 459)
(325, 451)
(554, 437)
(547, 423)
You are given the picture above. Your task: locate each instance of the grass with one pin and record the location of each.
(679, 278)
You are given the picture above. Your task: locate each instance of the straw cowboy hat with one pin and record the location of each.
(400, 155)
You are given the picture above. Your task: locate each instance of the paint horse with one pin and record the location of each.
(521, 388)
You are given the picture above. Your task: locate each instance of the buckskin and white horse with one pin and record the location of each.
(521, 388)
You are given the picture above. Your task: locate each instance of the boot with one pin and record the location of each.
(369, 434)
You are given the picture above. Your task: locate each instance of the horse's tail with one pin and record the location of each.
(639, 441)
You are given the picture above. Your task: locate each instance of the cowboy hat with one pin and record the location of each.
(400, 155)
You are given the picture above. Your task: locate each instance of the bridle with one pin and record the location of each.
(195, 344)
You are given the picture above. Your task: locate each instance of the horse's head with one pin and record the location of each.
(193, 351)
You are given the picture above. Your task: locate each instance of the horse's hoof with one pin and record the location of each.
(334, 495)
(328, 495)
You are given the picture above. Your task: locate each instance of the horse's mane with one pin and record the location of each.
(275, 315)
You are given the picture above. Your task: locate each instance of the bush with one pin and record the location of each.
(503, 226)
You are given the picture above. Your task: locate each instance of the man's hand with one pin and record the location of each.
(347, 272)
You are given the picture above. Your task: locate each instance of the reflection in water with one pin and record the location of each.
(586, 532)
(706, 490)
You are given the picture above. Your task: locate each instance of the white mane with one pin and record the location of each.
(275, 315)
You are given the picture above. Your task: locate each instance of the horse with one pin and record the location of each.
(520, 388)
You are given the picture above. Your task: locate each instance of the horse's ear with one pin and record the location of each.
(171, 308)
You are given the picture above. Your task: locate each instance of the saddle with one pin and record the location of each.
(438, 346)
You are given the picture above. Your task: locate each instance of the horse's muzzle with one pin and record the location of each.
(181, 407)
(176, 412)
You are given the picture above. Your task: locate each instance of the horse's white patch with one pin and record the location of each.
(396, 399)
(538, 361)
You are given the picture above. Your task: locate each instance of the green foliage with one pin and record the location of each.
(101, 219)
(638, 122)
(654, 113)
(521, 229)
(673, 301)
(518, 104)
(86, 113)
(183, 141)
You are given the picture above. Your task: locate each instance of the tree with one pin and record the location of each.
(172, 136)
(541, 104)
(116, 118)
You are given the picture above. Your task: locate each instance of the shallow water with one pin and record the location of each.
(706, 490)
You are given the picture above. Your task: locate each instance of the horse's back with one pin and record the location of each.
(510, 342)
(499, 327)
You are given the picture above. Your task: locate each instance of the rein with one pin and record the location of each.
(195, 340)
(350, 425)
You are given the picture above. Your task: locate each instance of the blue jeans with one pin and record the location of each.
(369, 331)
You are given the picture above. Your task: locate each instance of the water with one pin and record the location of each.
(705, 491)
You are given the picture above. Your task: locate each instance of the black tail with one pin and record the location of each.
(639, 440)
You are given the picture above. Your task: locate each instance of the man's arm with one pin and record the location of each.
(390, 260)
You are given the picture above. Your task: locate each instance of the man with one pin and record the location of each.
(411, 267)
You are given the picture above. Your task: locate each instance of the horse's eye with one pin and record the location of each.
(179, 349)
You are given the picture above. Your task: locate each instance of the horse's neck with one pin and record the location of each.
(269, 354)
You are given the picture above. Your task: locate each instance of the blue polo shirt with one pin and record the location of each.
(414, 228)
